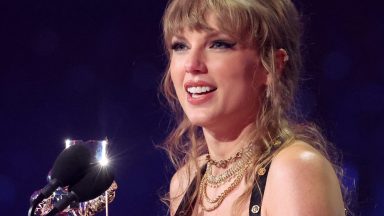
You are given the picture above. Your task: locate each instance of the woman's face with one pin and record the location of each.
(218, 80)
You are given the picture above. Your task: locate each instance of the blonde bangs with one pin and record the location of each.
(233, 17)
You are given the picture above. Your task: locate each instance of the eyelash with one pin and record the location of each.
(220, 44)
(178, 46)
(217, 44)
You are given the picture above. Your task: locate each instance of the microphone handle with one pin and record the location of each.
(44, 193)
(62, 204)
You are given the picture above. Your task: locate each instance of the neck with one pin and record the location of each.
(221, 146)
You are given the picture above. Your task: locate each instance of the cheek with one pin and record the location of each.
(243, 75)
(177, 77)
(257, 83)
(174, 73)
(247, 84)
(256, 78)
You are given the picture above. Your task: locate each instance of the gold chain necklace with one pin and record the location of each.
(224, 163)
(235, 173)
(219, 199)
(217, 180)
(215, 203)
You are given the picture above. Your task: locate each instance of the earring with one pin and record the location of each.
(286, 58)
(285, 53)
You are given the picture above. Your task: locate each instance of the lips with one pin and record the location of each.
(199, 92)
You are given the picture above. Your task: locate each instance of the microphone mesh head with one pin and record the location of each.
(97, 180)
(71, 164)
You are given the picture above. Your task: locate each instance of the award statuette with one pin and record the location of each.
(98, 149)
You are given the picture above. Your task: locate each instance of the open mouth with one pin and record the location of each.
(199, 90)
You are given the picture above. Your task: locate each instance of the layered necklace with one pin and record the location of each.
(233, 176)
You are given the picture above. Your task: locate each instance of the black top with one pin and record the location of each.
(186, 206)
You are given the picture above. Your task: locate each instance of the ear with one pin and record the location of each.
(281, 58)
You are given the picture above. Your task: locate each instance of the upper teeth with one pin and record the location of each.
(198, 90)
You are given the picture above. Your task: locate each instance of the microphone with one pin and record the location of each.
(97, 180)
(69, 167)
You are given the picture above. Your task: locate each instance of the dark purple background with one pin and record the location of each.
(90, 69)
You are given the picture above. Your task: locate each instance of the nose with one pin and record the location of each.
(195, 62)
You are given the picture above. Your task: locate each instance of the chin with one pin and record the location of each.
(198, 120)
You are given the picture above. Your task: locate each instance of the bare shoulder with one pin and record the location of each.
(300, 156)
(301, 181)
(181, 181)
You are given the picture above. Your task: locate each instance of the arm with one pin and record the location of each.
(302, 182)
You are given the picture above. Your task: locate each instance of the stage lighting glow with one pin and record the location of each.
(67, 143)
(104, 159)
(104, 162)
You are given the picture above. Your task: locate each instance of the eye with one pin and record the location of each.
(220, 44)
(178, 46)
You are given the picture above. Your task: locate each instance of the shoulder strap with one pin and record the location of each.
(186, 205)
(258, 191)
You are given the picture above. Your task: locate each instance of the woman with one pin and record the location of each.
(233, 69)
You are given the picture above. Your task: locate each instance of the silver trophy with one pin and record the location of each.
(98, 149)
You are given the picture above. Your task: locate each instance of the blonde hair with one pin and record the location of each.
(267, 25)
